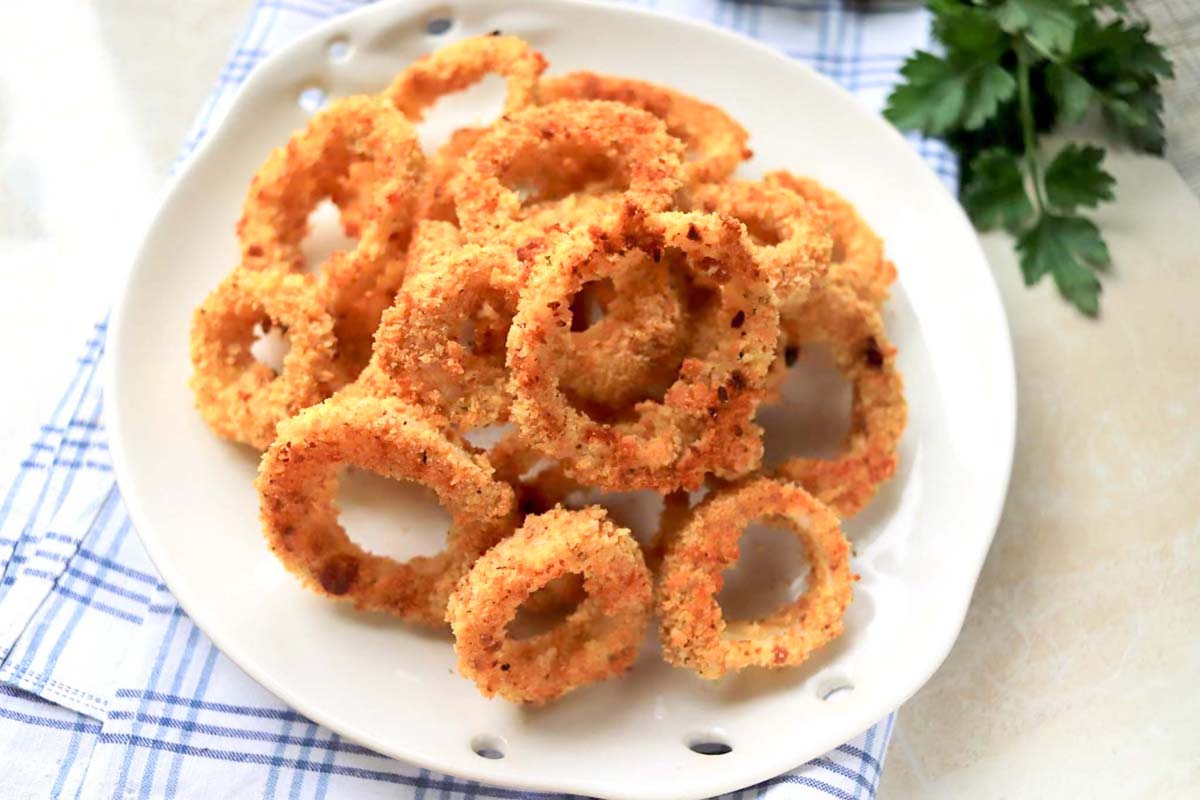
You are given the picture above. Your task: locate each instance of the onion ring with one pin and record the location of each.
(704, 422)
(463, 63)
(692, 628)
(598, 640)
(635, 143)
(716, 140)
(297, 485)
(355, 137)
(857, 258)
(239, 397)
(315, 164)
(636, 348)
(436, 201)
(537, 492)
(854, 332)
(788, 234)
(432, 358)
(431, 241)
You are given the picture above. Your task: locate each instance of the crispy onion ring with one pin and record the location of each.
(564, 196)
(314, 164)
(704, 422)
(436, 201)
(692, 629)
(297, 485)
(359, 138)
(239, 397)
(854, 332)
(634, 143)
(463, 63)
(715, 142)
(636, 348)
(431, 241)
(442, 342)
(788, 234)
(857, 258)
(598, 640)
(537, 491)
(676, 508)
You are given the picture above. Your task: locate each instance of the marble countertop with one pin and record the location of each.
(1074, 674)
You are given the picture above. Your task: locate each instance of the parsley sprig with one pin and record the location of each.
(1012, 70)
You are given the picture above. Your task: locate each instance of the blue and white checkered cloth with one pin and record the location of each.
(107, 689)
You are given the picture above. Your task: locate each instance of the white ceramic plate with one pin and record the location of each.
(919, 545)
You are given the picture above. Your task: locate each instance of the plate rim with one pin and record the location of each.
(193, 606)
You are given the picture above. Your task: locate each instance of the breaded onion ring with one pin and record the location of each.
(634, 143)
(715, 142)
(436, 201)
(431, 241)
(463, 63)
(240, 397)
(357, 137)
(442, 341)
(788, 235)
(692, 629)
(297, 485)
(636, 348)
(537, 491)
(854, 332)
(704, 422)
(598, 640)
(857, 258)
(315, 164)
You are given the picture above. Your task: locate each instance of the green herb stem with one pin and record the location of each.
(1033, 162)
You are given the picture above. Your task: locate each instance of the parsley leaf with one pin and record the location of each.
(1070, 90)
(995, 192)
(1124, 67)
(941, 95)
(1009, 71)
(1137, 115)
(962, 89)
(1048, 25)
(1075, 178)
(1068, 247)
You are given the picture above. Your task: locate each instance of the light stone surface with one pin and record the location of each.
(1076, 671)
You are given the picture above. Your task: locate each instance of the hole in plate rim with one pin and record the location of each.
(439, 23)
(312, 98)
(339, 48)
(711, 742)
(833, 686)
(489, 746)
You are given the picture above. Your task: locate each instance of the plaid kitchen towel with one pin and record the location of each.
(107, 689)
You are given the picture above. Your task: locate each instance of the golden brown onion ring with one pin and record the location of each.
(360, 138)
(634, 350)
(788, 235)
(857, 258)
(598, 640)
(853, 331)
(704, 422)
(436, 202)
(239, 397)
(463, 63)
(715, 142)
(348, 135)
(634, 144)
(692, 628)
(297, 485)
(442, 341)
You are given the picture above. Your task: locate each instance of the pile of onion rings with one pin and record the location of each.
(587, 271)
